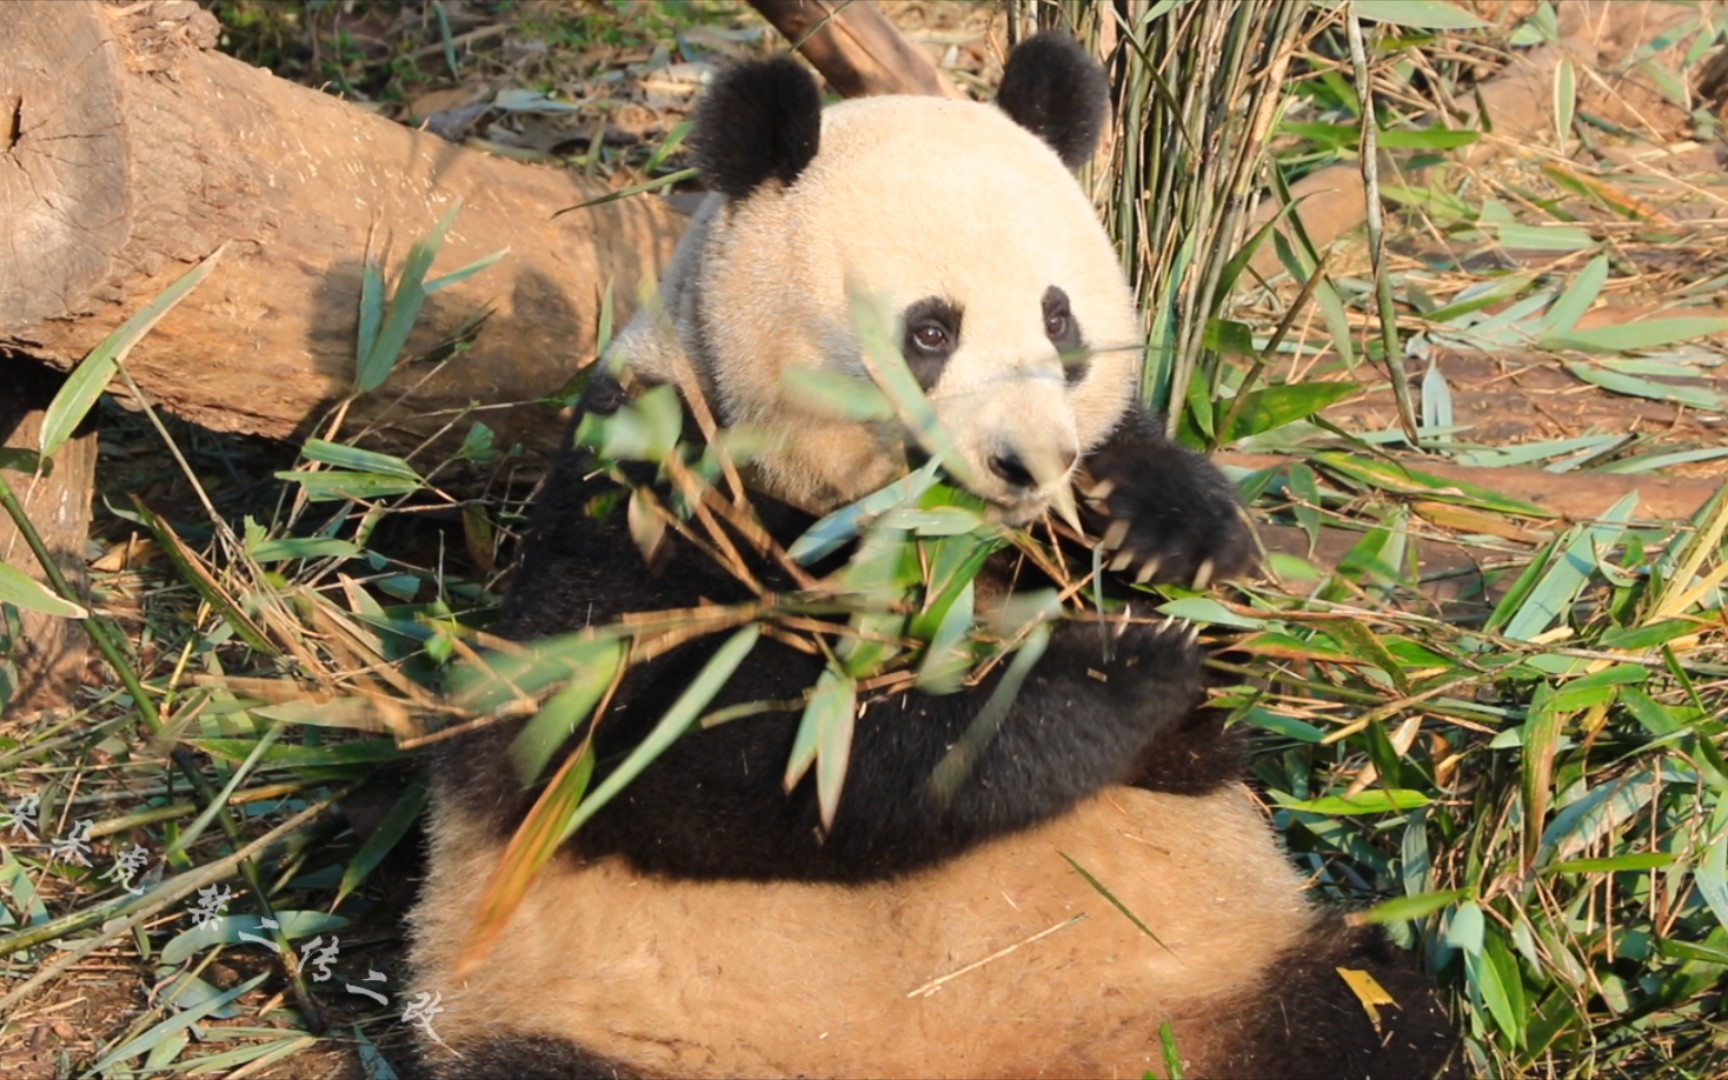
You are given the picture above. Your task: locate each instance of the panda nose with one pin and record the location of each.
(1009, 466)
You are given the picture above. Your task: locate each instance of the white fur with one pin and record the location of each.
(907, 198)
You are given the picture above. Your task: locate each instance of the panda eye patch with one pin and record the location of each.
(1063, 331)
(932, 334)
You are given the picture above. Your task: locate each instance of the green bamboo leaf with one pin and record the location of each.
(669, 180)
(683, 713)
(946, 661)
(956, 764)
(1419, 14)
(79, 392)
(1569, 573)
(1432, 138)
(1632, 386)
(1522, 237)
(1565, 100)
(594, 663)
(144, 1043)
(301, 547)
(27, 594)
(1712, 874)
(1637, 860)
(342, 456)
(372, 1062)
(825, 739)
(384, 838)
(603, 329)
(1410, 908)
(1115, 902)
(189, 835)
(1363, 644)
(466, 272)
(1378, 801)
(358, 752)
(1209, 612)
(371, 305)
(1406, 481)
(373, 366)
(1576, 300)
(1644, 334)
(1436, 398)
(644, 429)
(834, 394)
(1466, 929)
(224, 1063)
(1274, 406)
(1480, 295)
(842, 526)
(228, 930)
(341, 485)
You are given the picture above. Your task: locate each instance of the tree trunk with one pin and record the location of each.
(856, 48)
(47, 656)
(129, 150)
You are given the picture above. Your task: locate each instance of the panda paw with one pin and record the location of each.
(1164, 515)
(1149, 670)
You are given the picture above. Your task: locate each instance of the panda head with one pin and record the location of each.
(964, 221)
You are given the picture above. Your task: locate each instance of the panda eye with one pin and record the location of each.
(1058, 320)
(930, 337)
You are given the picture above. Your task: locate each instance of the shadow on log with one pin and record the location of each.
(130, 149)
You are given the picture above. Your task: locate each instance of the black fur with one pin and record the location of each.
(760, 121)
(1054, 89)
(516, 1057)
(1180, 510)
(1313, 1025)
(712, 806)
(926, 361)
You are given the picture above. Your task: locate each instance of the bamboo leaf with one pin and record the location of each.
(594, 665)
(144, 1043)
(27, 594)
(232, 930)
(1644, 334)
(1570, 571)
(1632, 386)
(1576, 300)
(1420, 14)
(1369, 802)
(678, 719)
(76, 396)
(372, 367)
(1274, 406)
(384, 838)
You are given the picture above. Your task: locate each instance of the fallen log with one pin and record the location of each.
(130, 149)
(856, 48)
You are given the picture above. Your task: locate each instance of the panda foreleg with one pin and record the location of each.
(1165, 514)
(925, 783)
(712, 805)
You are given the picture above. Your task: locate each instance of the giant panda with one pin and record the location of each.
(1101, 872)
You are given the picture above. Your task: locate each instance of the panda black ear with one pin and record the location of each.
(1054, 89)
(759, 121)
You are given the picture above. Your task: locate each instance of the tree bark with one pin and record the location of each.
(129, 150)
(47, 656)
(855, 47)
